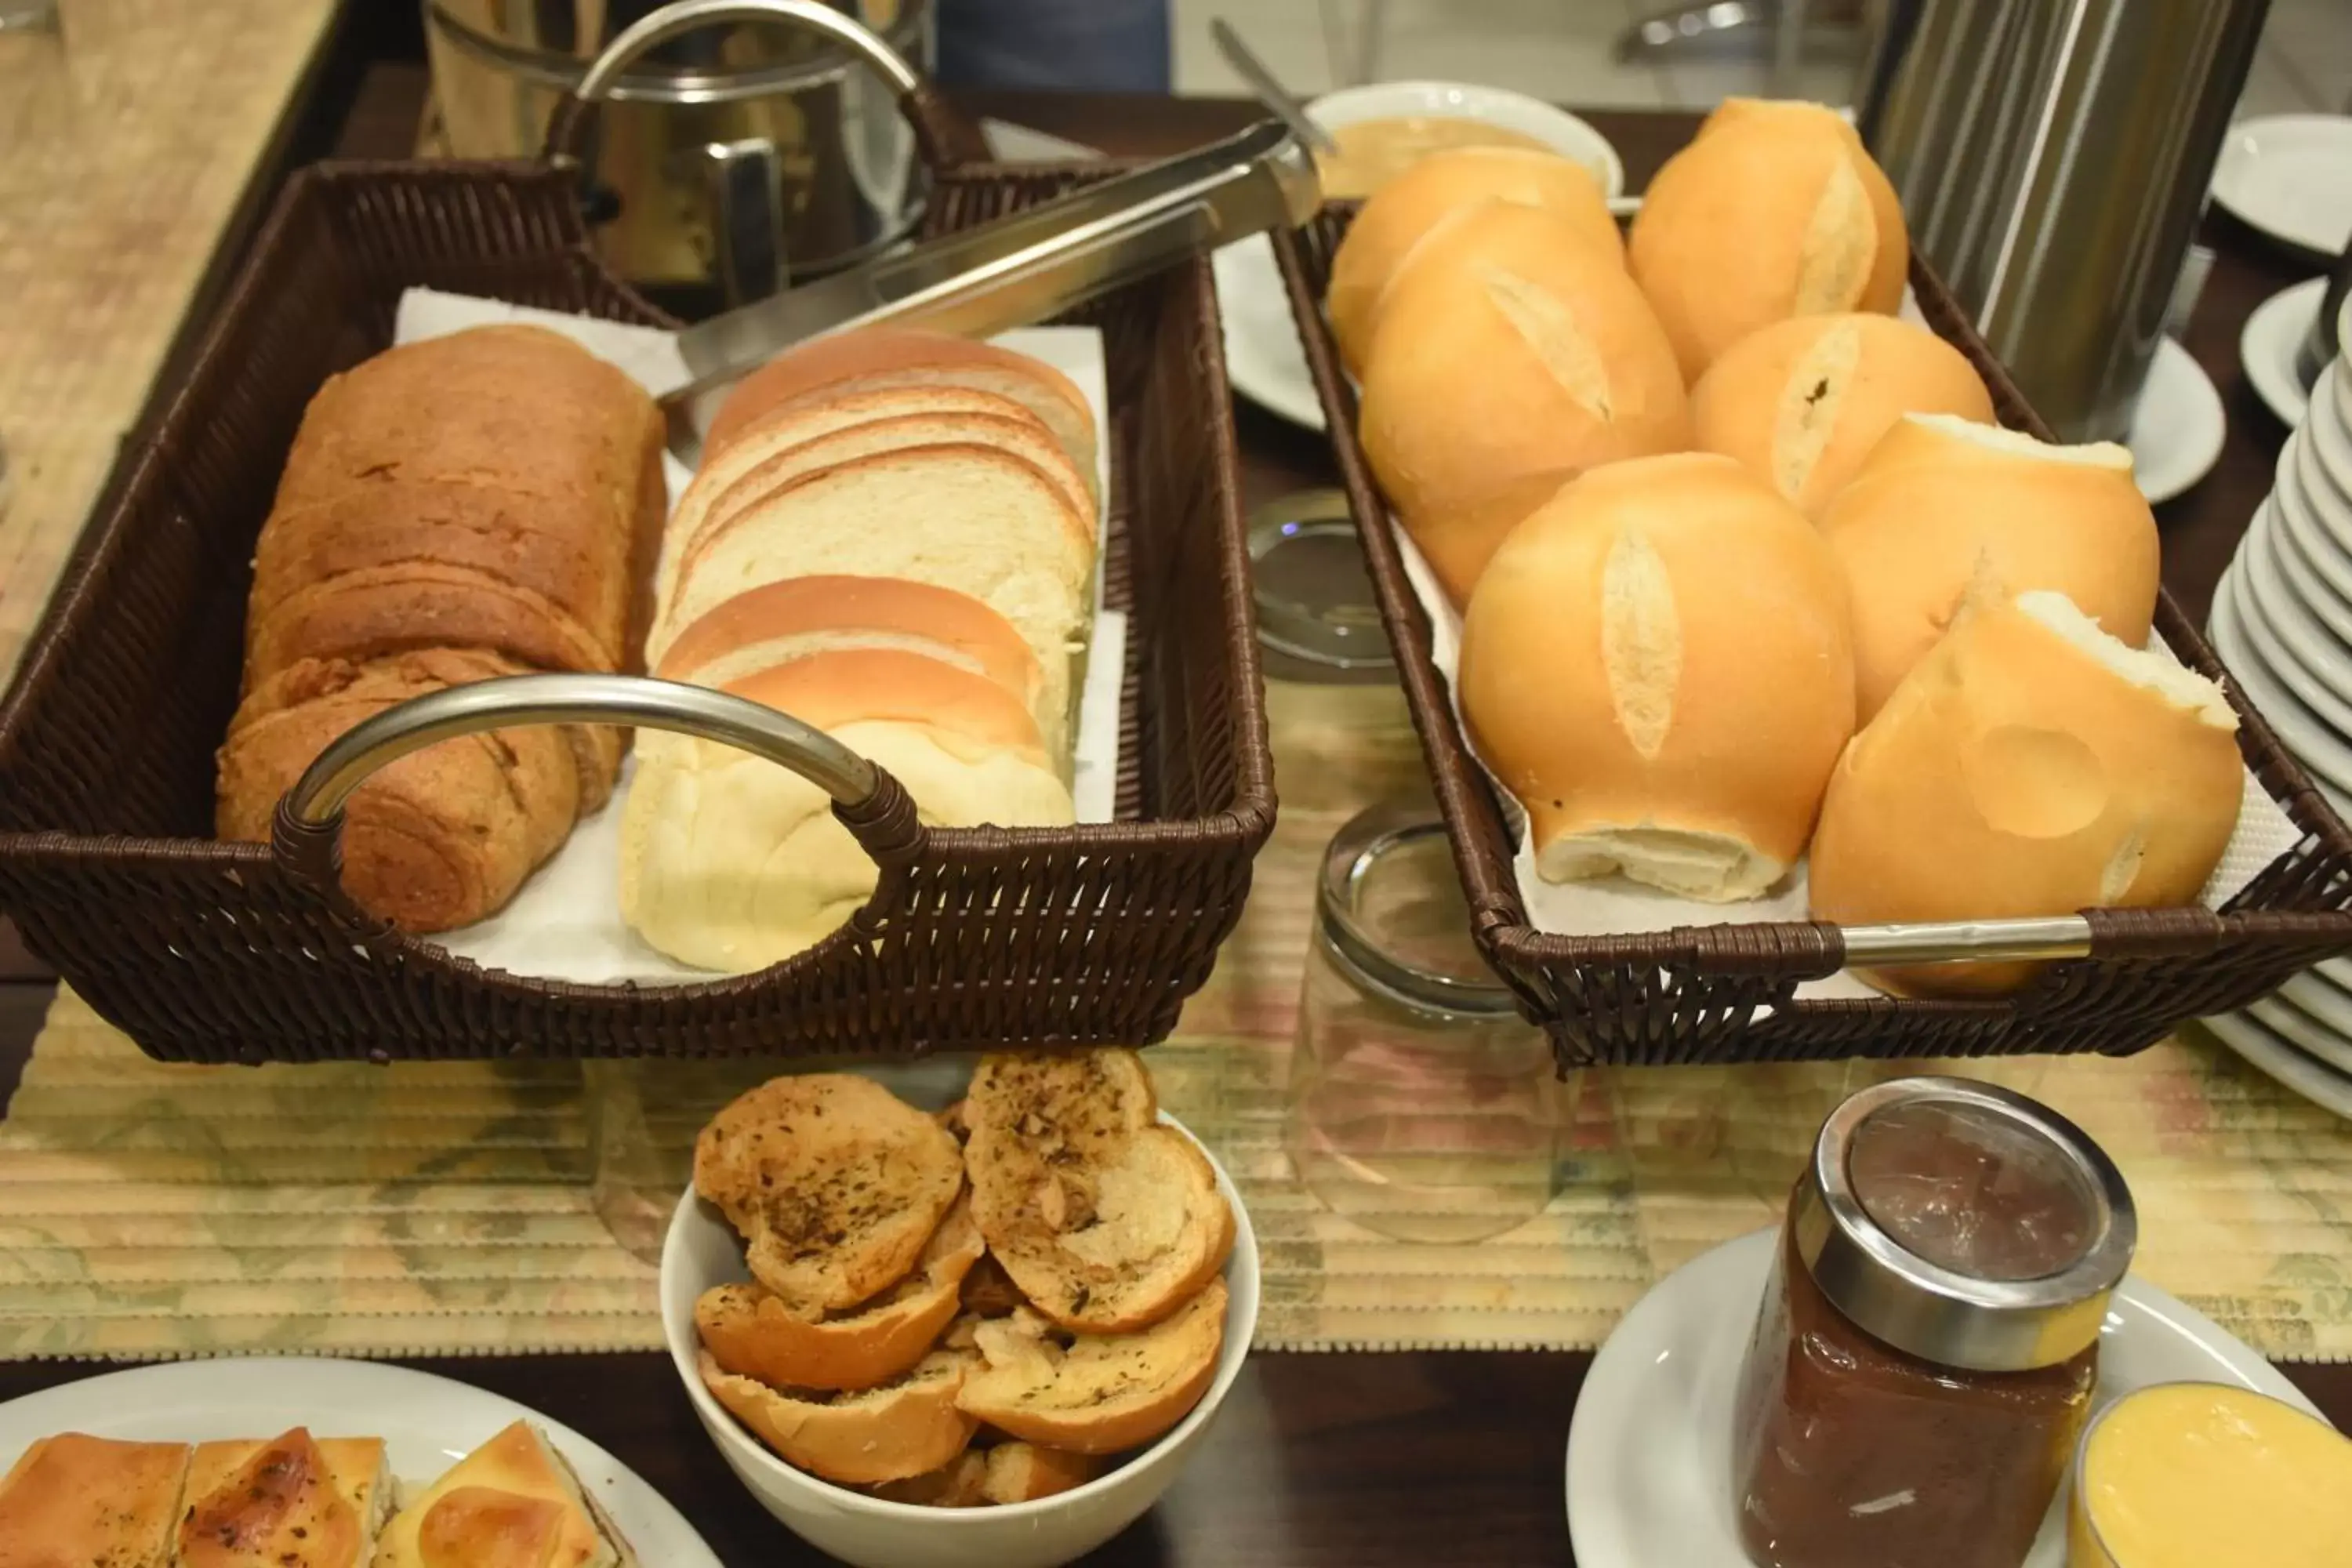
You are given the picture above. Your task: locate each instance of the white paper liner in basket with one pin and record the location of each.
(566, 922)
(1614, 906)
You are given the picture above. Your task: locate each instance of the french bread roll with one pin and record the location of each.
(2029, 765)
(1774, 210)
(731, 863)
(1511, 356)
(1407, 207)
(1802, 402)
(1658, 664)
(1942, 508)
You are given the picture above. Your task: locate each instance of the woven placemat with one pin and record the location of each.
(127, 140)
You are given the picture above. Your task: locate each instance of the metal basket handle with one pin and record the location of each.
(306, 839)
(942, 136)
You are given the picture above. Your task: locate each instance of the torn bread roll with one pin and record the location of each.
(2030, 764)
(1509, 354)
(1942, 508)
(1406, 209)
(514, 1499)
(1774, 210)
(1802, 402)
(906, 1428)
(1658, 664)
(1095, 1394)
(73, 1499)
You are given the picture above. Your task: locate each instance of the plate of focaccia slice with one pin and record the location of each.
(304, 1462)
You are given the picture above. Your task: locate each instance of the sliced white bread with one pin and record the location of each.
(293, 1501)
(958, 515)
(780, 622)
(73, 1499)
(750, 1333)
(906, 1428)
(835, 1184)
(514, 1502)
(1095, 1394)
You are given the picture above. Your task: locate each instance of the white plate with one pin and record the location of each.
(427, 1424)
(1649, 1449)
(2328, 759)
(2179, 427)
(2273, 336)
(2304, 1031)
(2290, 175)
(2281, 1062)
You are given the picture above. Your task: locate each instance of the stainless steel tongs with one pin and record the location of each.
(1015, 270)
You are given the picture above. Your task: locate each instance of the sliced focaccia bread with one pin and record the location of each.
(835, 1184)
(75, 1500)
(754, 1333)
(514, 1502)
(294, 1501)
(1095, 1394)
(906, 1428)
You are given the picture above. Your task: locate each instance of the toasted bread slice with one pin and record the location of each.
(751, 1334)
(903, 1428)
(963, 1482)
(514, 1502)
(294, 1501)
(835, 1184)
(74, 1499)
(1024, 1472)
(1095, 1394)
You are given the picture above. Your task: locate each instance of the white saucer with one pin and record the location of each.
(2282, 1063)
(2283, 1016)
(2273, 336)
(2328, 759)
(1649, 1449)
(2290, 175)
(427, 1424)
(2179, 427)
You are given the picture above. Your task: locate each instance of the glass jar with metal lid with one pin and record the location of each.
(1924, 1358)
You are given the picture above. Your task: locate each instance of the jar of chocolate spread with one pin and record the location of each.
(1923, 1359)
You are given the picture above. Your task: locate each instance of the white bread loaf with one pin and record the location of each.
(2029, 765)
(1658, 664)
(1774, 210)
(1408, 206)
(1942, 509)
(957, 515)
(731, 862)
(1802, 401)
(1510, 351)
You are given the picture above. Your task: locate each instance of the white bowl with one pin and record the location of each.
(702, 1251)
(1556, 128)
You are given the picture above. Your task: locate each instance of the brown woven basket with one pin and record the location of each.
(1725, 993)
(213, 952)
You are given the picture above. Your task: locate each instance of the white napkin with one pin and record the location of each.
(566, 922)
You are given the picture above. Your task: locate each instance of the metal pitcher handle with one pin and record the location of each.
(942, 136)
(306, 837)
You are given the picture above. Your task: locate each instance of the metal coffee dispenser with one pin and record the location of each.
(731, 161)
(2052, 158)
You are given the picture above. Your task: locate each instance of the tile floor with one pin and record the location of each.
(1561, 50)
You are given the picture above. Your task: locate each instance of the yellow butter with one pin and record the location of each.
(2196, 1475)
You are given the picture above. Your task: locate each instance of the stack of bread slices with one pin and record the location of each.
(959, 1324)
(892, 537)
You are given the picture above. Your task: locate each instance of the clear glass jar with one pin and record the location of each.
(1924, 1357)
(1421, 1105)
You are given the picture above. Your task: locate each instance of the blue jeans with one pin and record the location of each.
(1101, 46)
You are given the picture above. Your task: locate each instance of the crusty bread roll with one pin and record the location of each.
(439, 838)
(1658, 664)
(1942, 508)
(294, 1501)
(731, 862)
(1408, 206)
(906, 1428)
(76, 1500)
(497, 489)
(1508, 353)
(514, 1502)
(872, 358)
(2029, 765)
(1802, 402)
(754, 1333)
(1774, 210)
(1095, 1394)
(835, 1184)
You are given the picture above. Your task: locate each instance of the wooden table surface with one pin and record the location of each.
(1339, 1459)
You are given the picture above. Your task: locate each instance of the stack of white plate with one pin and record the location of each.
(2282, 621)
